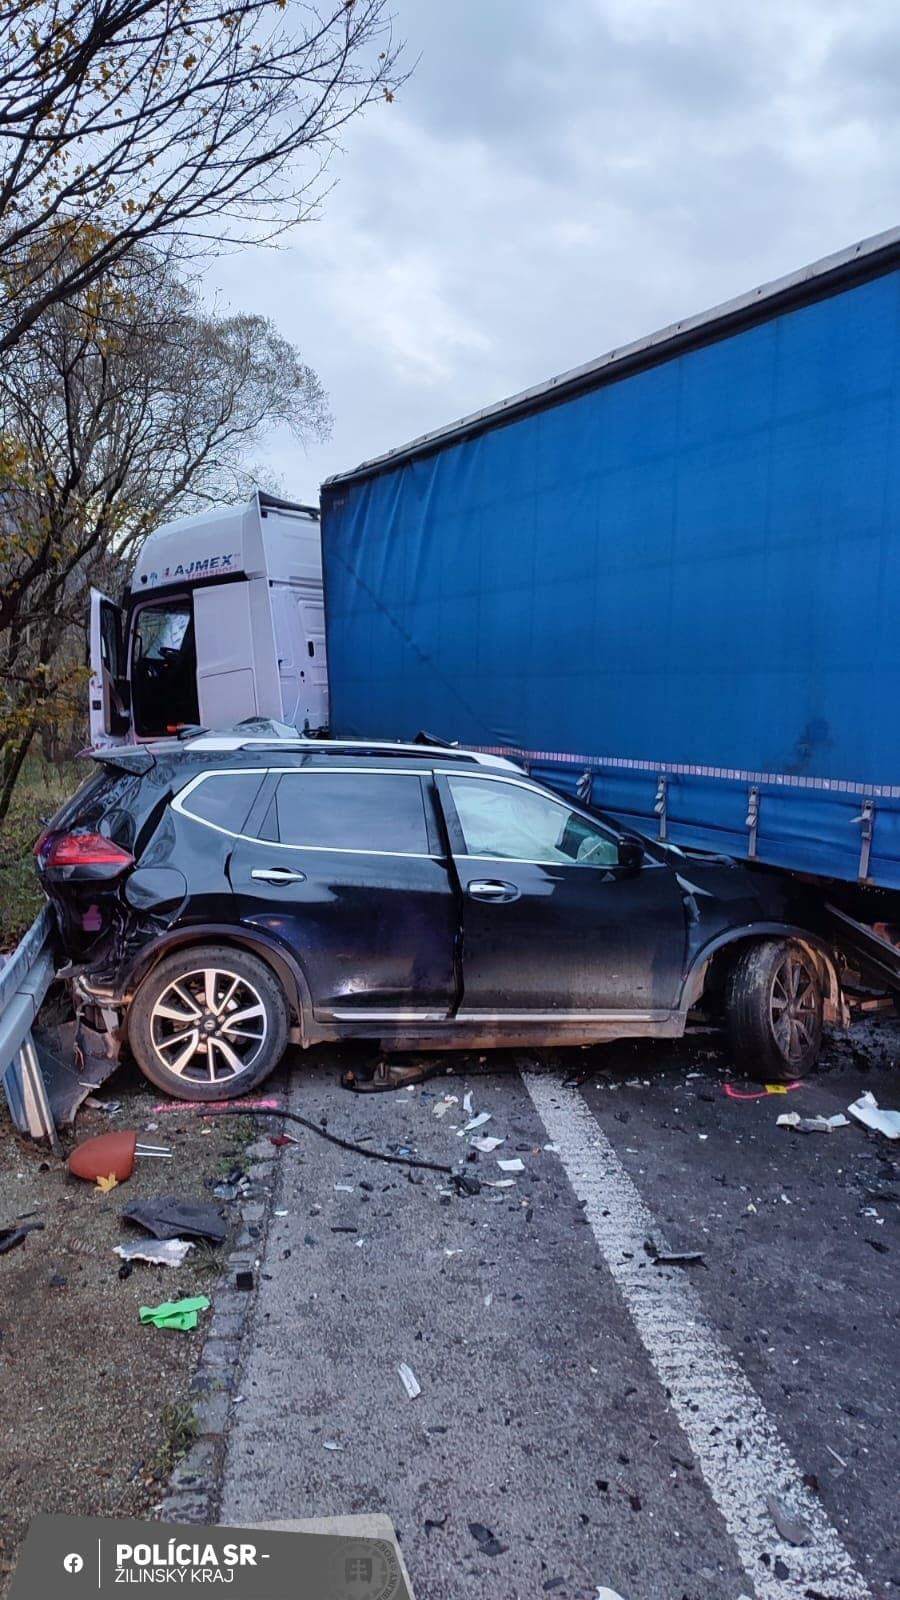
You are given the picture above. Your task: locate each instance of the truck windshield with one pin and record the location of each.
(163, 668)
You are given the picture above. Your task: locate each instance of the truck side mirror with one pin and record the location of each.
(631, 854)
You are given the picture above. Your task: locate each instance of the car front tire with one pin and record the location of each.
(208, 1023)
(774, 1011)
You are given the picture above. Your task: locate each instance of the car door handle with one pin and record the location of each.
(277, 875)
(492, 889)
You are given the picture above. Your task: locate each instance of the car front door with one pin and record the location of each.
(551, 922)
(346, 868)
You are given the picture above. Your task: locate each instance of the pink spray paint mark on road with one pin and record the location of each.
(268, 1103)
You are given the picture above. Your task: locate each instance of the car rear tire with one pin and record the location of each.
(773, 1009)
(208, 1023)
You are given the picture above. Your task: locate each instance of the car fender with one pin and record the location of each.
(283, 962)
(818, 949)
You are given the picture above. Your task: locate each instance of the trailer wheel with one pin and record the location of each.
(773, 1009)
(208, 1023)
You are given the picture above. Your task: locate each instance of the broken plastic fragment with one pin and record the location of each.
(409, 1381)
(514, 1165)
(791, 1528)
(11, 1238)
(477, 1122)
(170, 1219)
(486, 1541)
(486, 1145)
(867, 1111)
(791, 1119)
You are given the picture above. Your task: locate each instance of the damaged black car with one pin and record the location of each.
(221, 895)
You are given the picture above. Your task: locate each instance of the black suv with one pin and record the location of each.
(228, 893)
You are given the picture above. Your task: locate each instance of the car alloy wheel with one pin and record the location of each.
(209, 1026)
(773, 1009)
(794, 1005)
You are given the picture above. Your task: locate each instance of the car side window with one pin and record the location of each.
(223, 799)
(513, 823)
(379, 811)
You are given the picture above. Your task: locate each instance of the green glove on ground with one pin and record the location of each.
(182, 1314)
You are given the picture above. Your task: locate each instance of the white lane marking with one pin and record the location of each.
(708, 1392)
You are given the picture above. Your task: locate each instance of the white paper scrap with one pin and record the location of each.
(409, 1381)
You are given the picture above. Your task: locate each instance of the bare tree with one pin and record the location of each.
(124, 406)
(125, 121)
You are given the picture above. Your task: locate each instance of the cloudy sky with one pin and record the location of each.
(557, 179)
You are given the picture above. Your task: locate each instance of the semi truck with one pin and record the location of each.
(668, 580)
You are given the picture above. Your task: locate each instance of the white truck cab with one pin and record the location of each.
(224, 620)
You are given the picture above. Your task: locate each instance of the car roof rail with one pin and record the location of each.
(230, 743)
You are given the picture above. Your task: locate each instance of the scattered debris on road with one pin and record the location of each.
(409, 1381)
(232, 1186)
(159, 1253)
(791, 1528)
(515, 1165)
(867, 1111)
(673, 1258)
(169, 1219)
(11, 1238)
(487, 1543)
(487, 1145)
(477, 1122)
(792, 1119)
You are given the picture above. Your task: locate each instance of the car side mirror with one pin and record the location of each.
(631, 854)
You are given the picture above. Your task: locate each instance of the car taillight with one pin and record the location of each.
(81, 850)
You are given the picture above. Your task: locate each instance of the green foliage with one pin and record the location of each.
(41, 790)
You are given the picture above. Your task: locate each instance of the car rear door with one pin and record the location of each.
(346, 868)
(551, 923)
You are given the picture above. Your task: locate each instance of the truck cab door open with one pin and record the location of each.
(163, 666)
(109, 695)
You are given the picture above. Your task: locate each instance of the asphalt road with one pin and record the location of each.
(608, 1421)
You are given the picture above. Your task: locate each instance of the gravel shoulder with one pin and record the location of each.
(95, 1407)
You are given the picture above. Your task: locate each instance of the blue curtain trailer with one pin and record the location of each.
(669, 579)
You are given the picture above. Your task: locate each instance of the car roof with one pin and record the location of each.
(428, 754)
(280, 748)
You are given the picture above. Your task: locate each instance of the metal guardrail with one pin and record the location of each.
(25, 977)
